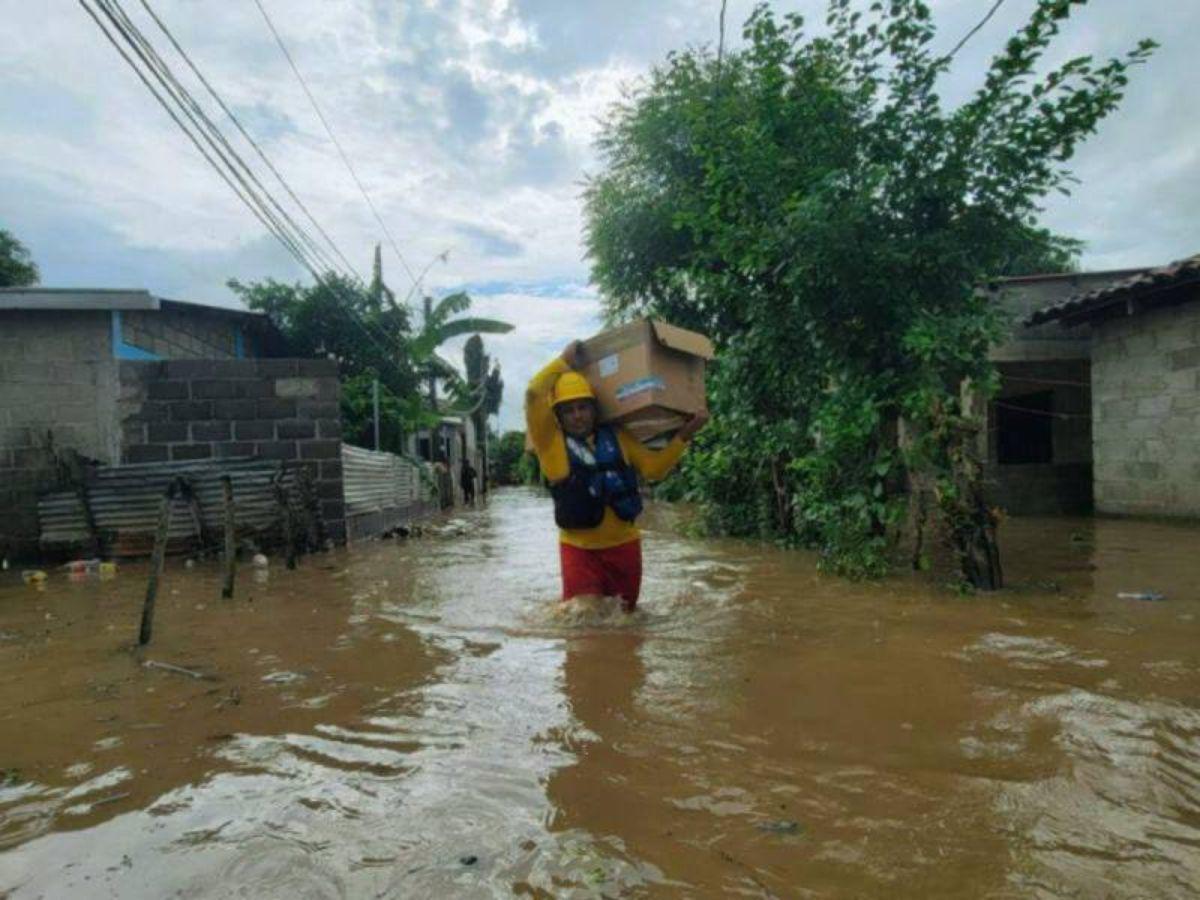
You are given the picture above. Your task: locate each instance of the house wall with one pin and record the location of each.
(281, 409)
(184, 334)
(58, 389)
(1019, 297)
(1146, 411)
(1063, 485)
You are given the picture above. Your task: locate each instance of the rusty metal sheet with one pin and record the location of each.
(125, 502)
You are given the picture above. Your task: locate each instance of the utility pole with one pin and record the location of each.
(375, 402)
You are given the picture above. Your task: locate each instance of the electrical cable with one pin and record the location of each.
(283, 222)
(333, 138)
(244, 193)
(237, 123)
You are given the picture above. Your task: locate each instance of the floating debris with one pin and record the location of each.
(781, 826)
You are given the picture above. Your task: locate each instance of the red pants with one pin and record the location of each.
(612, 572)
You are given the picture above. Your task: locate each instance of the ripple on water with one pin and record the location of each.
(1029, 652)
(1120, 817)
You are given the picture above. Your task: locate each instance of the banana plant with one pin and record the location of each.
(440, 326)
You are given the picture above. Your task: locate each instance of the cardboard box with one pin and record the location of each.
(648, 376)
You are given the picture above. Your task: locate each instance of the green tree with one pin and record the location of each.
(338, 318)
(507, 458)
(811, 204)
(17, 268)
(439, 326)
(485, 392)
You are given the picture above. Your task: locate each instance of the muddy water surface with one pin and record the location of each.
(421, 719)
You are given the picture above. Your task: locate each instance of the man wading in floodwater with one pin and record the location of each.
(593, 470)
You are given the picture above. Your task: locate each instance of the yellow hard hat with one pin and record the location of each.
(572, 386)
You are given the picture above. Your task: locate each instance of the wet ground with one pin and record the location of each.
(422, 719)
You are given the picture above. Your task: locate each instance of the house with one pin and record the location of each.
(122, 376)
(1037, 446)
(1144, 336)
(450, 442)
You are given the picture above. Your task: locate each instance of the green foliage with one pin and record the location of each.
(508, 456)
(17, 268)
(372, 337)
(810, 204)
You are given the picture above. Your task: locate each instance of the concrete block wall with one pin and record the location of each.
(58, 388)
(1063, 486)
(281, 409)
(176, 334)
(1146, 412)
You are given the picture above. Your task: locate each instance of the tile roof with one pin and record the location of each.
(1147, 281)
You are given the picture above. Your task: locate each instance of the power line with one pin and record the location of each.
(217, 97)
(328, 130)
(243, 192)
(196, 141)
(211, 133)
(189, 105)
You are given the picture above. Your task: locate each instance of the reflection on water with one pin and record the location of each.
(424, 719)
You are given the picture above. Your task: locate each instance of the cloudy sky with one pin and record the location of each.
(471, 124)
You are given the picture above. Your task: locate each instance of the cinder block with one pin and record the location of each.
(321, 450)
(135, 371)
(234, 409)
(1154, 407)
(191, 411)
(235, 368)
(211, 431)
(317, 368)
(227, 449)
(276, 449)
(256, 388)
(133, 433)
(254, 430)
(191, 451)
(1141, 470)
(190, 368)
(277, 368)
(167, 390)
(167, 432)
(1185, 359)
(296, 388)
(331, 470)
(153, 411)
(276, 409)
(214, 389)
(330, 428)
(146, 453)
(293, 429)
(1186, 403)
(333, 509)
(317, 409)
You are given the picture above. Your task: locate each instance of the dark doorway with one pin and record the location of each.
(1025, 429)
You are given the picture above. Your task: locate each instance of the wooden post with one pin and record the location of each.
(314, 532)
(156, 561)
(230, 560)
(285, 514)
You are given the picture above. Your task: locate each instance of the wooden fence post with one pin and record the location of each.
(157, 559)
(230, 560)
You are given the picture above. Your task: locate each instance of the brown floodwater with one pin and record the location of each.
(422, 719)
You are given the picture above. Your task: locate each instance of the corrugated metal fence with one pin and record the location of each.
(125, 500)
(382, 490)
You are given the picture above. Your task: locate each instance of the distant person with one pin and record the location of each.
(466, 478)
(593, 473)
